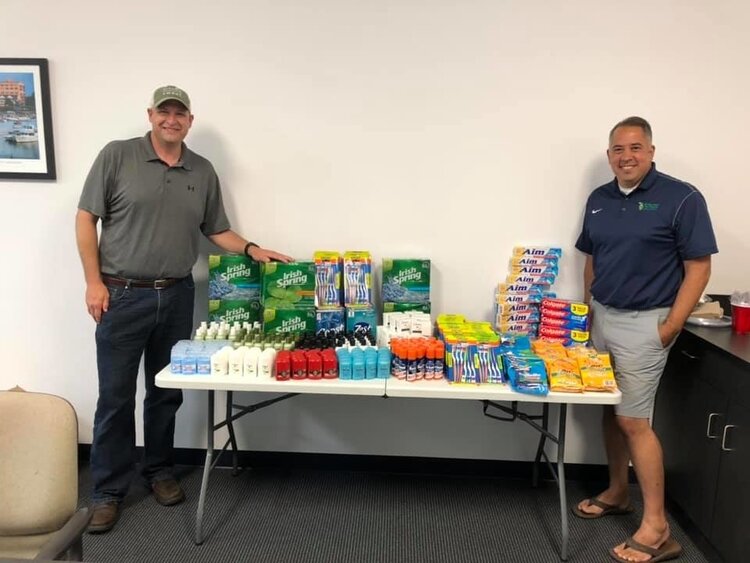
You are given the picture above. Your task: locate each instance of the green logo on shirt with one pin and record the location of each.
(645, 206)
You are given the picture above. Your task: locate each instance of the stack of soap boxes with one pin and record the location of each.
(288, 296)
(233, 289)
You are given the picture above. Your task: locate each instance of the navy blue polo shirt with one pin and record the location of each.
(639, 241)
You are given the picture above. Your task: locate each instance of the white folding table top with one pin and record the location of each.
(443, 389)
(371, 387)
(392, 387)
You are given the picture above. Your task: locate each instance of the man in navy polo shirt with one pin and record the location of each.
(648, 242)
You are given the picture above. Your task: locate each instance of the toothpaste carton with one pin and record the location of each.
(536, 296)
(530, 316)
(574, 307)
(537, 251)
(571, 324)
(535, 270)
(548, 313)
(518, 261)
(565, 333)
(518, 328)
(505, 309)
(534, 279)
(521, 287)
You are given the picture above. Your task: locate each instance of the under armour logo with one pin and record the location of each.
(191, 188)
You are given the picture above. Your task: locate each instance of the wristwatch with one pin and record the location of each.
(246, 252)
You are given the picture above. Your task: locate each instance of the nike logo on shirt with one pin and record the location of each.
(595, 211)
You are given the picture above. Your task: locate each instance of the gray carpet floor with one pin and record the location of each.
(344, 516)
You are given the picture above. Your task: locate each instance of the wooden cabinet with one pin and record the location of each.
(702, 416)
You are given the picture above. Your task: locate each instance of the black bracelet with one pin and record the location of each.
(247, 248)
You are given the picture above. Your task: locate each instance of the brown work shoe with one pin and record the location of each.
(103, 517)
(167, 492)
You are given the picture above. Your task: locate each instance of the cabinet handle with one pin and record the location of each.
(688, 355)
(708, 426)
(724, 438)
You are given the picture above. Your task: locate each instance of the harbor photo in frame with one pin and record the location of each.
(26, 146)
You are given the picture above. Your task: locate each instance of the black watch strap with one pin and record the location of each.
(246, 252)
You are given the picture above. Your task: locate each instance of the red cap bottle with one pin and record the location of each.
(283, 366)
(314, 365)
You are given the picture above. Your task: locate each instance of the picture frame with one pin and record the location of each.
(26, 142)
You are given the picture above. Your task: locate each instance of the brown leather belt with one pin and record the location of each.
(151, 284)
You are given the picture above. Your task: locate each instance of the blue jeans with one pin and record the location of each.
(139, 322)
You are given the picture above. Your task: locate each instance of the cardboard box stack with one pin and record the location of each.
(233, 289)
(533, 270)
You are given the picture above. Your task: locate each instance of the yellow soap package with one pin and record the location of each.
(596, 372)
(564, 375)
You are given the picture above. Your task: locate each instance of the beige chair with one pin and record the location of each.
(39, 478)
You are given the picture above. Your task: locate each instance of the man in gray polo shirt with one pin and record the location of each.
(155, 197)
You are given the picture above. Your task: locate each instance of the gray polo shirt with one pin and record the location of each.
(152, 214)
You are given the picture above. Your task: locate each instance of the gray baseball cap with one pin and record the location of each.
(166, 93)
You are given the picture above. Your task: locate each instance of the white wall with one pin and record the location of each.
(453, 130)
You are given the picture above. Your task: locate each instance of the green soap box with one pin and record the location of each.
(231, 310)
(406, 280)
(295, 320)
(391, 307)
(288, 285)
(235, 269)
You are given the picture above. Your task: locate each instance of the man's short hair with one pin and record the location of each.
(633, 121)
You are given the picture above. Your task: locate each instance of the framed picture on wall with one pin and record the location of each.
(26, 148)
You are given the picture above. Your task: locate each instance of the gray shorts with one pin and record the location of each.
(638, 357)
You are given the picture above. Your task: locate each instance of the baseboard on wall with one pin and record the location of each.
(383, 464)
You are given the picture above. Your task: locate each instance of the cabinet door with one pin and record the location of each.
(732, 509)
(695, 479)
(688, 416)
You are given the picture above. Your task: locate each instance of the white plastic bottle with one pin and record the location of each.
(237, 362)
(219, 363)
(252, 358)
(243, 350)
(267, 363)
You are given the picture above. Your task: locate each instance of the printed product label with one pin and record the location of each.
(231, 310)
(406, 280)
(390, 307)
(295, 320)
(575, 307)
(233, 277)
(330, 321)
(360, 320)
(290, 285)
